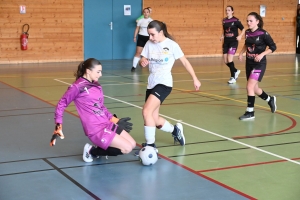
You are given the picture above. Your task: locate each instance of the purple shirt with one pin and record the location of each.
(89, 101)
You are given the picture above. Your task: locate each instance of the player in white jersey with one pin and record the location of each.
(160, 53)
(143, 36)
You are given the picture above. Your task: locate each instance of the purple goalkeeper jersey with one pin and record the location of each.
(89, 101)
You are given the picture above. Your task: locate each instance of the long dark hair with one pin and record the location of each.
(158, 25)
(84, 65)
(230, 7)
(258, 17)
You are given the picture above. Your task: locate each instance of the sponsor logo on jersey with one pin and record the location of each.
(251, 49)
(98, 112)
(155, 60)
(228, 33)
(165, 50)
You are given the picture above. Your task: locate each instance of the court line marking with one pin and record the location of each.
(204, 130)
(222, 97)
(205, 79)
(242, 166)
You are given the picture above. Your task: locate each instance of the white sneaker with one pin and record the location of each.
(232, 80)
(179, 136)
(87, 157)
(236, 74)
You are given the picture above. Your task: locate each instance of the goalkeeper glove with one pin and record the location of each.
(57, 133)
(124, 124)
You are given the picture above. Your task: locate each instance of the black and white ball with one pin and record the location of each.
(148, 155)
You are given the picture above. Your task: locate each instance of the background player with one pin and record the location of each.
(231, 37)
(143, 36)
(256, 43)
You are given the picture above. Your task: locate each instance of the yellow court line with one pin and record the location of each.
(279, 111)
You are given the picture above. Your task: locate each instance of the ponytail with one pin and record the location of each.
(84, 65)
(258, 17)
(160, 26)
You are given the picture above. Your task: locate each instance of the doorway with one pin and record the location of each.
(108, 33)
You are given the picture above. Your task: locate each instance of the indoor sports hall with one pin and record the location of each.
(224, 158)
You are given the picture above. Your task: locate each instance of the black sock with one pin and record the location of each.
(250, 102)
(232, 69)
(152, 145)
(110, 151)
(264, 95)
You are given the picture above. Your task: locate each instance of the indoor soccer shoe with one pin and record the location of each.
(236, 74)
(87, 157)
(232, 80)
(137, 153)
(178, 134)
(247, 116)
(272, 104)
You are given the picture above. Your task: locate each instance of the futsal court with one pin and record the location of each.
(223, 159)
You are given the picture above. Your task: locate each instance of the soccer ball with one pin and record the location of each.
(148, 155)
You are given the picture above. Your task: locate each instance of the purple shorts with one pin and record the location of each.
(104, 137)
(230, 47)
(256, 72)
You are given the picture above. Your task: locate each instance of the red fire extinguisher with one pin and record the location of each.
(24, 37)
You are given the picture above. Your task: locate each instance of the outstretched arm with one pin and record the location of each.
(191, 71)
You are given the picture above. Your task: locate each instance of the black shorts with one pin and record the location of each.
(142, 40)
(160, 91)
(230, 47)
(256, 71)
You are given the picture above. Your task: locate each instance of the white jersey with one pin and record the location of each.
(143, 24)
(161, 57)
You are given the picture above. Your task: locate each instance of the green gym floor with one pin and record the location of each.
(224, 158)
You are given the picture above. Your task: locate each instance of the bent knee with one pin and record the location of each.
(133, 145)
(127, 149)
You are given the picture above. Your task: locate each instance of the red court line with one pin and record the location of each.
(166, 158)
(208, 178)
(37, 98)
(247, 165)
(294, 123)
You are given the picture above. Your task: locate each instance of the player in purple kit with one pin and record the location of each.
(231, 37)
(256, 43)
(108, 133)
